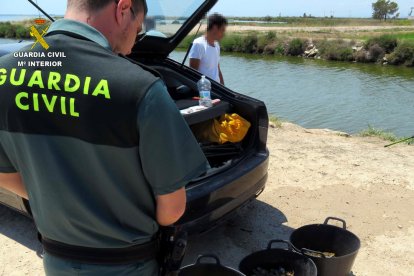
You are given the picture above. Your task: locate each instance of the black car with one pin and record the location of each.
(239, 170)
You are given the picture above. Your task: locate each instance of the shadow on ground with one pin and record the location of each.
(249, 231)
(18, 228)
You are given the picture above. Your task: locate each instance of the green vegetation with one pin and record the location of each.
(338, 50)
(249, 44)
(403, 54)
(378, 49)
(8, 30)
(276, 121)
(405, 36)
(373, 132)
(384, 9)
(384, 135)
(265, 43)
(17, 30)
(295, 47)
(387, 42)
(395, 47)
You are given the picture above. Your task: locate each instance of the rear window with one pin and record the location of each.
(166, 17)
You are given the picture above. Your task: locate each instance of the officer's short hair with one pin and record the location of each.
(216, 19)
(95, 5)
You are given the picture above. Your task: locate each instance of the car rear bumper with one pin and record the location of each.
(215, 199)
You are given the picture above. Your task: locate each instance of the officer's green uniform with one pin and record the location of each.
(95, 141)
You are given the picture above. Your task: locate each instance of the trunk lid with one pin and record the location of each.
(168, 22)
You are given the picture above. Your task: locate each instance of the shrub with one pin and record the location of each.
(339, 53)
(261, 44)
(10, 32)
(375, 53)
(321, 45)
(386, 42)
(22, 32)
(270, 49)
(270, 36)
(361, 56)
(280, 49)
(265, 40)
(339, 50)
(295, 47)
(403, 54)
(346, 54)
(232, 43)
(4, 26)
(249, 43)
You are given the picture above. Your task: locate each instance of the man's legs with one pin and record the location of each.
(59, 267)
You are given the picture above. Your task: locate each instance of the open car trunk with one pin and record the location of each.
(182, 81)
(167, 24)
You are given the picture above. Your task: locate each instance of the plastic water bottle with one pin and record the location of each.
(204, 88)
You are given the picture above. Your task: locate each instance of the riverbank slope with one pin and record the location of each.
(313, 174)
(383, 44)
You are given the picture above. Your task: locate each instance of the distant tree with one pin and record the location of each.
(304, 15)
(267, 18)
(383, 9)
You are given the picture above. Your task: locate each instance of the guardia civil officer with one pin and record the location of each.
(97, 146)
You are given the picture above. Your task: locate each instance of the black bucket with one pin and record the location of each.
(208, 269)
(273, 258)
(333, 249)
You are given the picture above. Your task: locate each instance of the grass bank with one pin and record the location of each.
(385, 135)
(395, 49)
(275, 122)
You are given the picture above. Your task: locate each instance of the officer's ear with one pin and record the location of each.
(123, 12)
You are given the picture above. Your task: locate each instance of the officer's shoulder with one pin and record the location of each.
(130, 68)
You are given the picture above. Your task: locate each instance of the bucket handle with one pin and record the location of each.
(289, 245)
(337, 219)
(211, 256)
(310, 252)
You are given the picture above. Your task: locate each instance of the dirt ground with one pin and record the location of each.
(293, 28)
(335, 32)
(243, 28)
(313, 174)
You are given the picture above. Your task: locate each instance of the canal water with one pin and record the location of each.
(324, 94)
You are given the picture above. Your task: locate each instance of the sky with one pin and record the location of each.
(338, 8)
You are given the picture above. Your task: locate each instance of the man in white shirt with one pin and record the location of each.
(205, 52)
